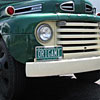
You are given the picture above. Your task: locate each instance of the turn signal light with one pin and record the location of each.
(98, 14)
(10, 10)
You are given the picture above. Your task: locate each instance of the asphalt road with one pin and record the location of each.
(64, 88)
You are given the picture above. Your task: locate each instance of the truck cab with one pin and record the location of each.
(41, 38)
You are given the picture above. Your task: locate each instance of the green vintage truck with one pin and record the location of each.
(40, 38)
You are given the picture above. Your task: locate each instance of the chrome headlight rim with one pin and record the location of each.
(38, 33)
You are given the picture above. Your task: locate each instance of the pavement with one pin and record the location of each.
(64, 88)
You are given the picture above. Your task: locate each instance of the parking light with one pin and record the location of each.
(98, 14)
(10, 10)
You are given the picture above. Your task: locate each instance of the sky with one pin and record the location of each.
(96, 4)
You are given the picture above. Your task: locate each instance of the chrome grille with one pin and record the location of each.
(67, 6)
(78, 39)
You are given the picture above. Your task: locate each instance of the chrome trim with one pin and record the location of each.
(68, 7)
(33, 8)
(86, 8)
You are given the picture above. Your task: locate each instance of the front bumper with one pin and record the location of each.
(69, 66)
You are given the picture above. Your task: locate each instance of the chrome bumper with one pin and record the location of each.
(40, 69)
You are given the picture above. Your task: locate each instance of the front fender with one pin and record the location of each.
(19, 36)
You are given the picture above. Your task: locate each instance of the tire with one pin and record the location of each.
(89, 77)
(12, 75)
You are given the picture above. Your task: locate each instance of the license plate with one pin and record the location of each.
(48, 53)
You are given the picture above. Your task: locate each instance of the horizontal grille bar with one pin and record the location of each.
(64, 23)
(77, 36)
(81, 54)
(77, 30)
(81, 47)
(77, 42)
(82, 24)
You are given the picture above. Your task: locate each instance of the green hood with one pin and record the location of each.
(48, 6)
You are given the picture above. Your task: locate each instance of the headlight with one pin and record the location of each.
(44, 33)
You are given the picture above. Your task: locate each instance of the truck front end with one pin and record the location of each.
(53, 37)
(40, 38)
(68, 43)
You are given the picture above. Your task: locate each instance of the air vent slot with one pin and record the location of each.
(88, 8)
(67, 6)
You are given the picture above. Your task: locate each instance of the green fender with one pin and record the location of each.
(18, 34)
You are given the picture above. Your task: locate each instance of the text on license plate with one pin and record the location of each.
(48, 53)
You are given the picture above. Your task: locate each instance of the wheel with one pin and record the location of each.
(88, 76)
(12, 75)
